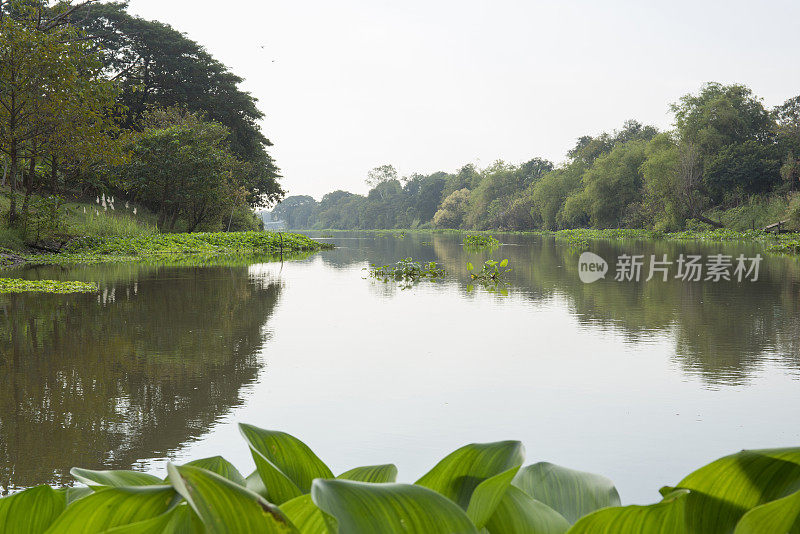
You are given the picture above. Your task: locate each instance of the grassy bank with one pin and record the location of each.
(197, 248)
(85, 232)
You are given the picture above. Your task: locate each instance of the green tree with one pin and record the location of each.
(54, 101)
(157, 66)
(728, 125)
(183, 171)
(453, 210)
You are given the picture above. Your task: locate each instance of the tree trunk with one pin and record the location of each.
(29, 181)
(12, 211)
(54, 175)
(706, 220)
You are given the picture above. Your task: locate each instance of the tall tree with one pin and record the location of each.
(54, 100)
(157, 66)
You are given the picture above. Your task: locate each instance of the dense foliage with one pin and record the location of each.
(407, 272)
(481, 487)
(15, 285)
(96, 102)
(726, 151)
(196, 243)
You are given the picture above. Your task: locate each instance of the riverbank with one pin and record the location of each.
(784, 243)
(203, 246)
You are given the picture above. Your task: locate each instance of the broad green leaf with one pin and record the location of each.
(31, 511)
(782, 516)
(73, 494)
(666, 517)
(114, 479)
(470, 267)
(504, 263)
(307, 517)
(573, 494)
(724, 490)
(222, 467)
(254, 483)
(286, 465)
(488, 495)
(179, 520)
(460, 472)
(111, 507)
(371, 473)
(224, 506)
(519, 513)
(364, 508)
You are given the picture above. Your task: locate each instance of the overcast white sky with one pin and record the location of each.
(431, 85)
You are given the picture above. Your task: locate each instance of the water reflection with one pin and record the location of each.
(722, 332)
(105, 380)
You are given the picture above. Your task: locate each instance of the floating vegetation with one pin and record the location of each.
(481, 487)
(407, 272)
(490, 277)
(15, 285)
(481, 241)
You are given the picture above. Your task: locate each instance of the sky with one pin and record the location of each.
(432, 85)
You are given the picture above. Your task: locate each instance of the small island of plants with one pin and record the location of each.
(15, 285)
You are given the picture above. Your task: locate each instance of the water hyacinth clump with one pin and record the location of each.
(407, 272)
(195, 243)
(481, 241)
(14, 285)
(480, 487)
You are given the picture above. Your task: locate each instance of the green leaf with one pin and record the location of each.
(470, 267)
(222, 467)
(73, 494)
(113, 506)
(31, 511)
(488, 495)
(363, 508)
(115, 479)
(724, 490)
(666, 517)
(571, 493)
(519, 513)
(782, 515)
(254, 483)
(459, 474)
(307, 517)
(285, 464)
(504, 263)
(224, 506)
(371, 473)
(179, 520)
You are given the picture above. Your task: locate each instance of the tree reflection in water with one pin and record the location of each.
(105, 380)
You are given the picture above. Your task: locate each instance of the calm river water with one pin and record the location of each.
(640, 381)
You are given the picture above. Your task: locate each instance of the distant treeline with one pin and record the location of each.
(725, 148)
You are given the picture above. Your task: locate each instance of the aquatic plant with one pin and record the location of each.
(480, 241)
(492, 271)
(15, 285)
(490, 277)
(407, 272)
(200, 242)
(481, 487)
